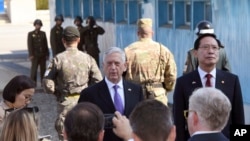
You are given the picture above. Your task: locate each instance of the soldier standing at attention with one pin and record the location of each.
(78, 22)
(90, 35)
(56, 36)
(38, 50)
(68, 74)
(150, 64)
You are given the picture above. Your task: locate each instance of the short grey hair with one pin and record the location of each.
(114, 50)
(212, 106)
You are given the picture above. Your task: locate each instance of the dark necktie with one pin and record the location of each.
(208, 82)
(118, 100)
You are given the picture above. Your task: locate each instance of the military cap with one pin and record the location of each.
(38, 21)
(71, 32)
(144, 22)
(59, 18)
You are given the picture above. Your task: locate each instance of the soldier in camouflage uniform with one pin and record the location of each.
(78, 22)
(56, 36)
(150, 64)
(38, 50)
(90, 37)
(68, 74)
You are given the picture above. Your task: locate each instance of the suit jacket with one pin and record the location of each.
(209, 137)
(227, 82)
(99, 95)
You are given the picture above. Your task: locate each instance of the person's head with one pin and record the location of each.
(19, 91)
(151, 120)
(145, 28)
(209, 110)
(71, 36)
(59, 19)
(78, 21)
(85, 122)
(206, 49)
(20, 125)
(204, 27)
(114, 64)
(38, 24)
(90, 21)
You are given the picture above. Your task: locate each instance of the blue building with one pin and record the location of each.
(174, 23)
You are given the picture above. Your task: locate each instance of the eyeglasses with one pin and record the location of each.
(208, 47)
(185, 112)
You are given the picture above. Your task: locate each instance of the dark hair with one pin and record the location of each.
(91, 21)
(197, 41)
(15, 86)
(151, 120)
(84, 122)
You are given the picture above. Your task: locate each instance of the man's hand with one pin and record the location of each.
(122, 127)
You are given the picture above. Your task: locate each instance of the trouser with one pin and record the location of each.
(63, 107)
(35, 62)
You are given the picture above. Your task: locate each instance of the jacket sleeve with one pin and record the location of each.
(29, 42)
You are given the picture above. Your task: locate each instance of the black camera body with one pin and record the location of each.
(108, 121)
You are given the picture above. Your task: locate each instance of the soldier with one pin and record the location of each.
(68, 74)
(78, 22)
(191, 63)
(38, 50)
(90, 35)
(56, 36)
(150, 64)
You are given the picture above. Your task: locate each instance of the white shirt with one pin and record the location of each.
(120, 90)
(204, 132)
(204, 79)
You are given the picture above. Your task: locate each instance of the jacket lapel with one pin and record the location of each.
(105, 95)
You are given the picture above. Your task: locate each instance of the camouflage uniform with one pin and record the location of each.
(56, 40)
(67, 75)
(152, 65)
(191, 62)
(38, 48)
(90, 36)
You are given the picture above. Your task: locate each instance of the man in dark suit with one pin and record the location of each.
(107, 96)
(207, 51)
(205, 120)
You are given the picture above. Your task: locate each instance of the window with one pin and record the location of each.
(77, 8)
(121, 11)
(98, 8)
(67, 8)
(59, 7)
(165, 11)
(86, 9)
(134, 11)
(109, 10)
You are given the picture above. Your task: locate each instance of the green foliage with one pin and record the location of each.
(42, 4)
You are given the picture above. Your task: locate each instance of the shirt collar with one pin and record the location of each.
(204, 132)
(203, 73)
(111, 84)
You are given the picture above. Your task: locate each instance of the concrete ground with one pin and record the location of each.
(13, 61)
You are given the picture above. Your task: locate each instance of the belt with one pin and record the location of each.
(74, 95)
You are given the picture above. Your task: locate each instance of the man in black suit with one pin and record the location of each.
(207, 51)
(104, 95)
(205, 120)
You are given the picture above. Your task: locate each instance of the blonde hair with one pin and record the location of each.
(20, 125)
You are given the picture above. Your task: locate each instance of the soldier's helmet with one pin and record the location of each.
(204, 27)
(38, 21)
(59, 18)
(78, 18)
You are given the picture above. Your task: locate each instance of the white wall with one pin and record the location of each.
(21, 11)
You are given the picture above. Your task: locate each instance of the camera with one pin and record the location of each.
(108, 121)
